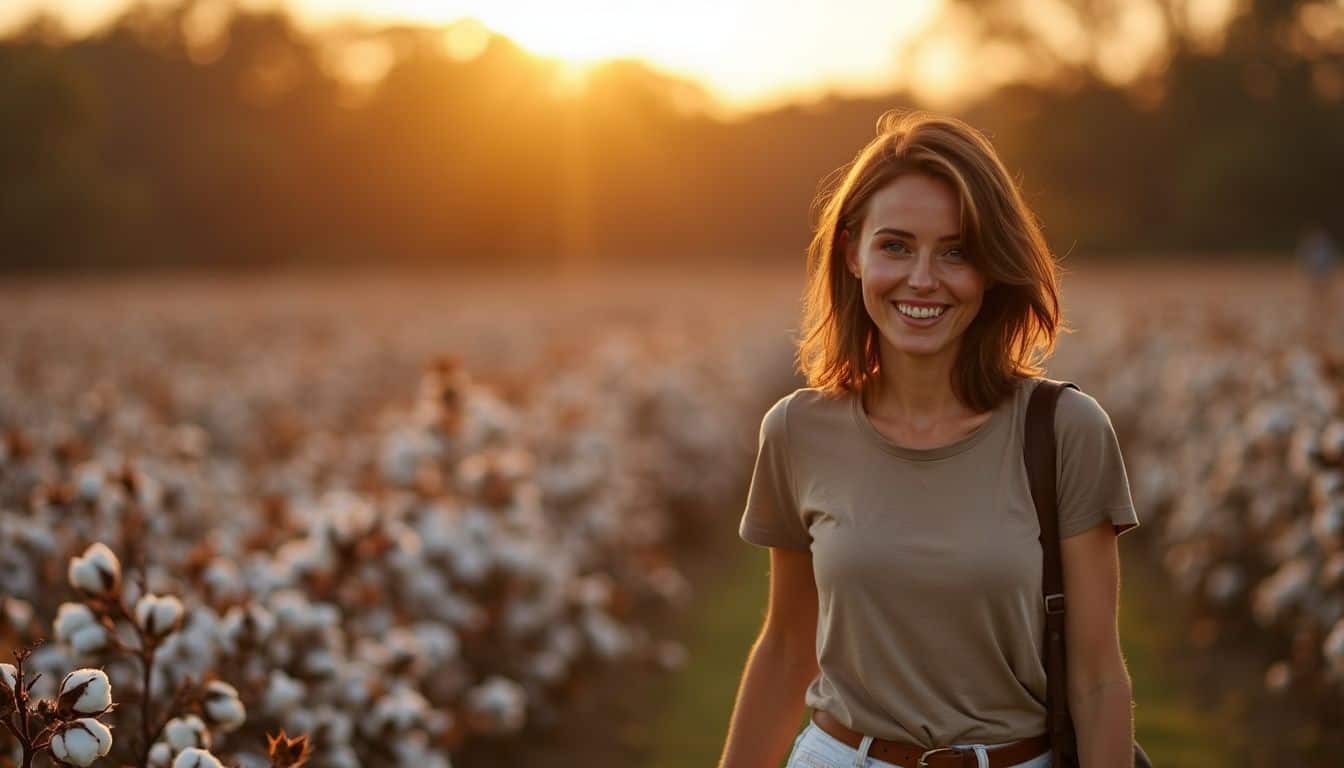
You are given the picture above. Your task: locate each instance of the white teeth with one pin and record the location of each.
(919, 312)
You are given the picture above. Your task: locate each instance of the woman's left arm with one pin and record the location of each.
(1100, 695)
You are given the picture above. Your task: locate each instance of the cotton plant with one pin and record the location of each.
(68, 729)
(182, 731)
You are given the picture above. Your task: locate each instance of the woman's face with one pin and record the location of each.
(909, 256)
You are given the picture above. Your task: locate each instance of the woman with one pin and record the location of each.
(905, 570)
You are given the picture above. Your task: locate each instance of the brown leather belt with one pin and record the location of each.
(909, 755)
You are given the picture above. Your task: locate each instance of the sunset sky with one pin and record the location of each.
(747, 52)
(758, 54)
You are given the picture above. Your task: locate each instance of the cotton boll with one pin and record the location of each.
(670, 584)
(89, 479)
(157, 616)
(9, 684)
(440, 644)
(1224, 583)
(84, 692)
(194, 757)
(223, 580)
(295, 614)
(81, 742)
(222, 706)
(1325, 484)
(340, 757)
(566, 640)
(1327, 523)
(283, 693)
(187, 731)
(358, 681)
(1333, 648)
(399, 710)
(473, 564)
(77, 626)
(349, 516)
(333, 726)
(548, 667)
(404, 451)
(523, 617)
(1332, 442)
(304, 557)
(498, 705)
(244, 627)
(413, 751)
(605, 635)
(160, 755)
(1281, 591)
(16, 613)
(320, 664)
(191, 649)
(96, 572)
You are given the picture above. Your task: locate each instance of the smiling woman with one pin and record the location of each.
(905, 606)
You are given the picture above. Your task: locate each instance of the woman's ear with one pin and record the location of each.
(843, 242)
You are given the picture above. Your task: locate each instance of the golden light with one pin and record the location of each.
(748, 53)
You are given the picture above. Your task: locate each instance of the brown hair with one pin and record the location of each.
(1019, 317)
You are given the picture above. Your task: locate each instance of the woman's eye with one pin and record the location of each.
(955, 253)
(894, 246)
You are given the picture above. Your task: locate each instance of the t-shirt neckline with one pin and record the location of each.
(865, 425)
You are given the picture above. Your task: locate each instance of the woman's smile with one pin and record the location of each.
(920, 315)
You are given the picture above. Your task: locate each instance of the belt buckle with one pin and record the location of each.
(924, 758)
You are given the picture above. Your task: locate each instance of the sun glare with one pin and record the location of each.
(746, 53)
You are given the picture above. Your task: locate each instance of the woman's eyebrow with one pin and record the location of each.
(903, 233)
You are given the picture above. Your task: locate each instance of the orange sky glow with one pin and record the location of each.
(748, 54)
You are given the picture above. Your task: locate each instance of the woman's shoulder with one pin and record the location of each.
(801, 409)
(1077, 412)
(811, 400)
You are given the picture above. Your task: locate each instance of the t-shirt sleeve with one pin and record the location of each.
(771, 518)
(1093, 485)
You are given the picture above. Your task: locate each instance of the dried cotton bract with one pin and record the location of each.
(81, 742)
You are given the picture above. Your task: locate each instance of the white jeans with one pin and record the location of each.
(815, 748)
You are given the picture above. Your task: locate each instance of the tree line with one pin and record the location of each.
(141, 145)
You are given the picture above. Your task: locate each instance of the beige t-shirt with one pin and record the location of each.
(927, 563)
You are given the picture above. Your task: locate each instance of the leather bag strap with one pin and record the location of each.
(1038, 449)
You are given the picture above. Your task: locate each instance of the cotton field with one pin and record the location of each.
(1233, 424)
(372, 522)
(236, 518)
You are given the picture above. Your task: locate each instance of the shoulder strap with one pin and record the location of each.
(1038, 451)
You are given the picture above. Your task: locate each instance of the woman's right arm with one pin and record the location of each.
(782, 662)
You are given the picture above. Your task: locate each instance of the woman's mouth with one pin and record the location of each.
(920, 316)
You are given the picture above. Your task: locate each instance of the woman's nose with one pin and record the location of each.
(921, 273)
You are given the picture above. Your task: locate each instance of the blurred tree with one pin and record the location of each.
(197, 132)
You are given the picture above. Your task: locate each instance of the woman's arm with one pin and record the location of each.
(782, 663)
(1100, 696)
